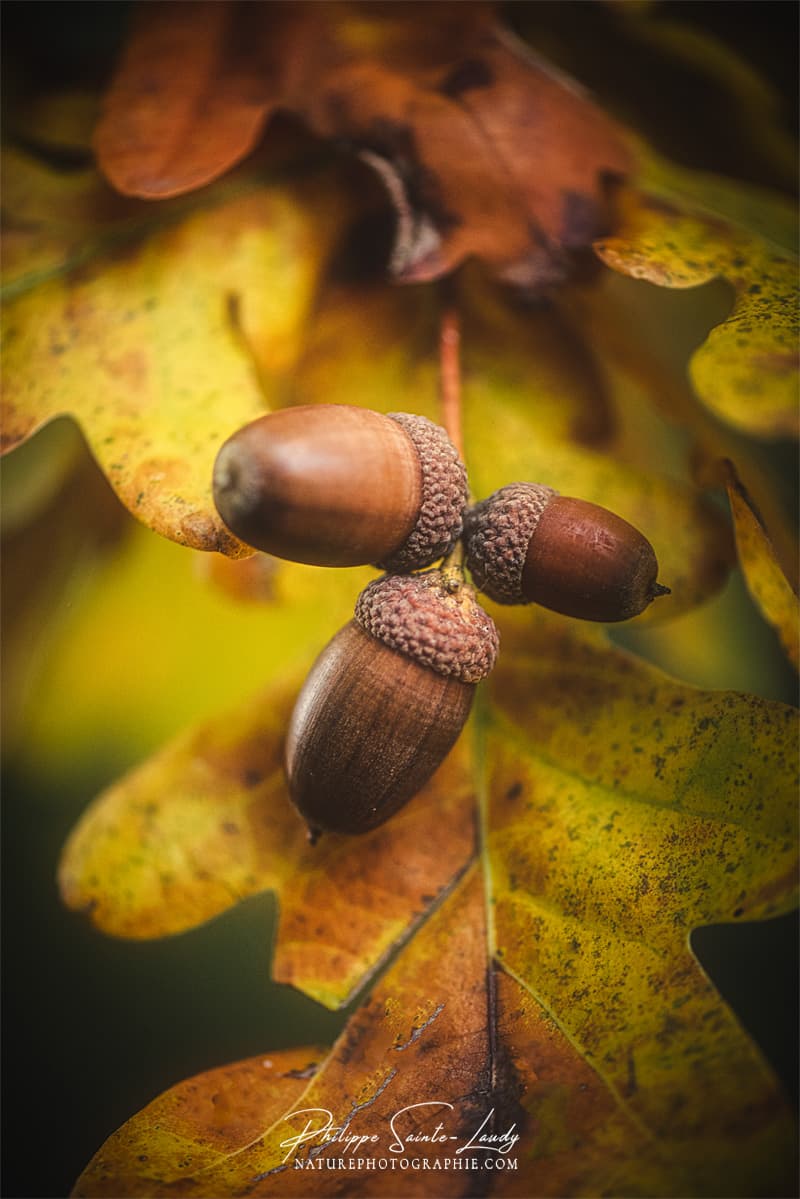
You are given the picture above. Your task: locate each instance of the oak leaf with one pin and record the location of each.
(617, 809)
(466, 1042)
(161, 340)
(676, 232)
(600, 811)
(484, 149)
(765, 578)
(155, 330)
(650, 369)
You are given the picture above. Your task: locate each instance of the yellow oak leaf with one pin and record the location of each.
(765, 579)
(155, 328)
(674, 232)
(617, 809)
(454, 1075)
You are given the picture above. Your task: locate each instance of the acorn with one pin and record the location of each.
(334, 485)
(526, 544)
(386, 700)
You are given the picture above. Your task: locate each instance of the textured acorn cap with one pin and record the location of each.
(434, 619)
(444, 497)
(497, 533)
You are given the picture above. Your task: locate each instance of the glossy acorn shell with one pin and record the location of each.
(333, 485)
(369, 729)
(587, 562)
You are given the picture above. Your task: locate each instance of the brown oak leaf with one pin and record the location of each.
(484, 149)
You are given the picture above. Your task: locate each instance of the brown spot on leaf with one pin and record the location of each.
(777, 363)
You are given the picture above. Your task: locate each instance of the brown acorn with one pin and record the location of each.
(526, 544)
(386, 700)
(334, 485)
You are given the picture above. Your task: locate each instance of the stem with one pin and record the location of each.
(450, 399)
(450, 376)
(455, 559)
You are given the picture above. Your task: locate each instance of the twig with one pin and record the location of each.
(450, 376)
(450, 399)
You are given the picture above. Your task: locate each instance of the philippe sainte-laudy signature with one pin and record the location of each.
(410, 1129)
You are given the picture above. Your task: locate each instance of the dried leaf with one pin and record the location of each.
(484, 149)
(429, 1015)
(159, 335)
(746, 370)
(765, 579)
(187, 100)
(204, 1123)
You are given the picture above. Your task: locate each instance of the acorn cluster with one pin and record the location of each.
(334, 485)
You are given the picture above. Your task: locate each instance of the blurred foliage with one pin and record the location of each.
(767, 583)
(746, 371)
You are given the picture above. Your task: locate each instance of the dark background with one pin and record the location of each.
(95, 1028)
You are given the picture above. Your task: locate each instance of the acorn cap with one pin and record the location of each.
(444, 497)
(434, 619)
(497, 533)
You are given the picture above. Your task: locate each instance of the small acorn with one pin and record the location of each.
(334, 485)
(526, 544)
(386, 700)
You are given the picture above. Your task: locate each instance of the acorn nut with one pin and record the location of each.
(386, 700)
(334, 485)
(526, 544)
